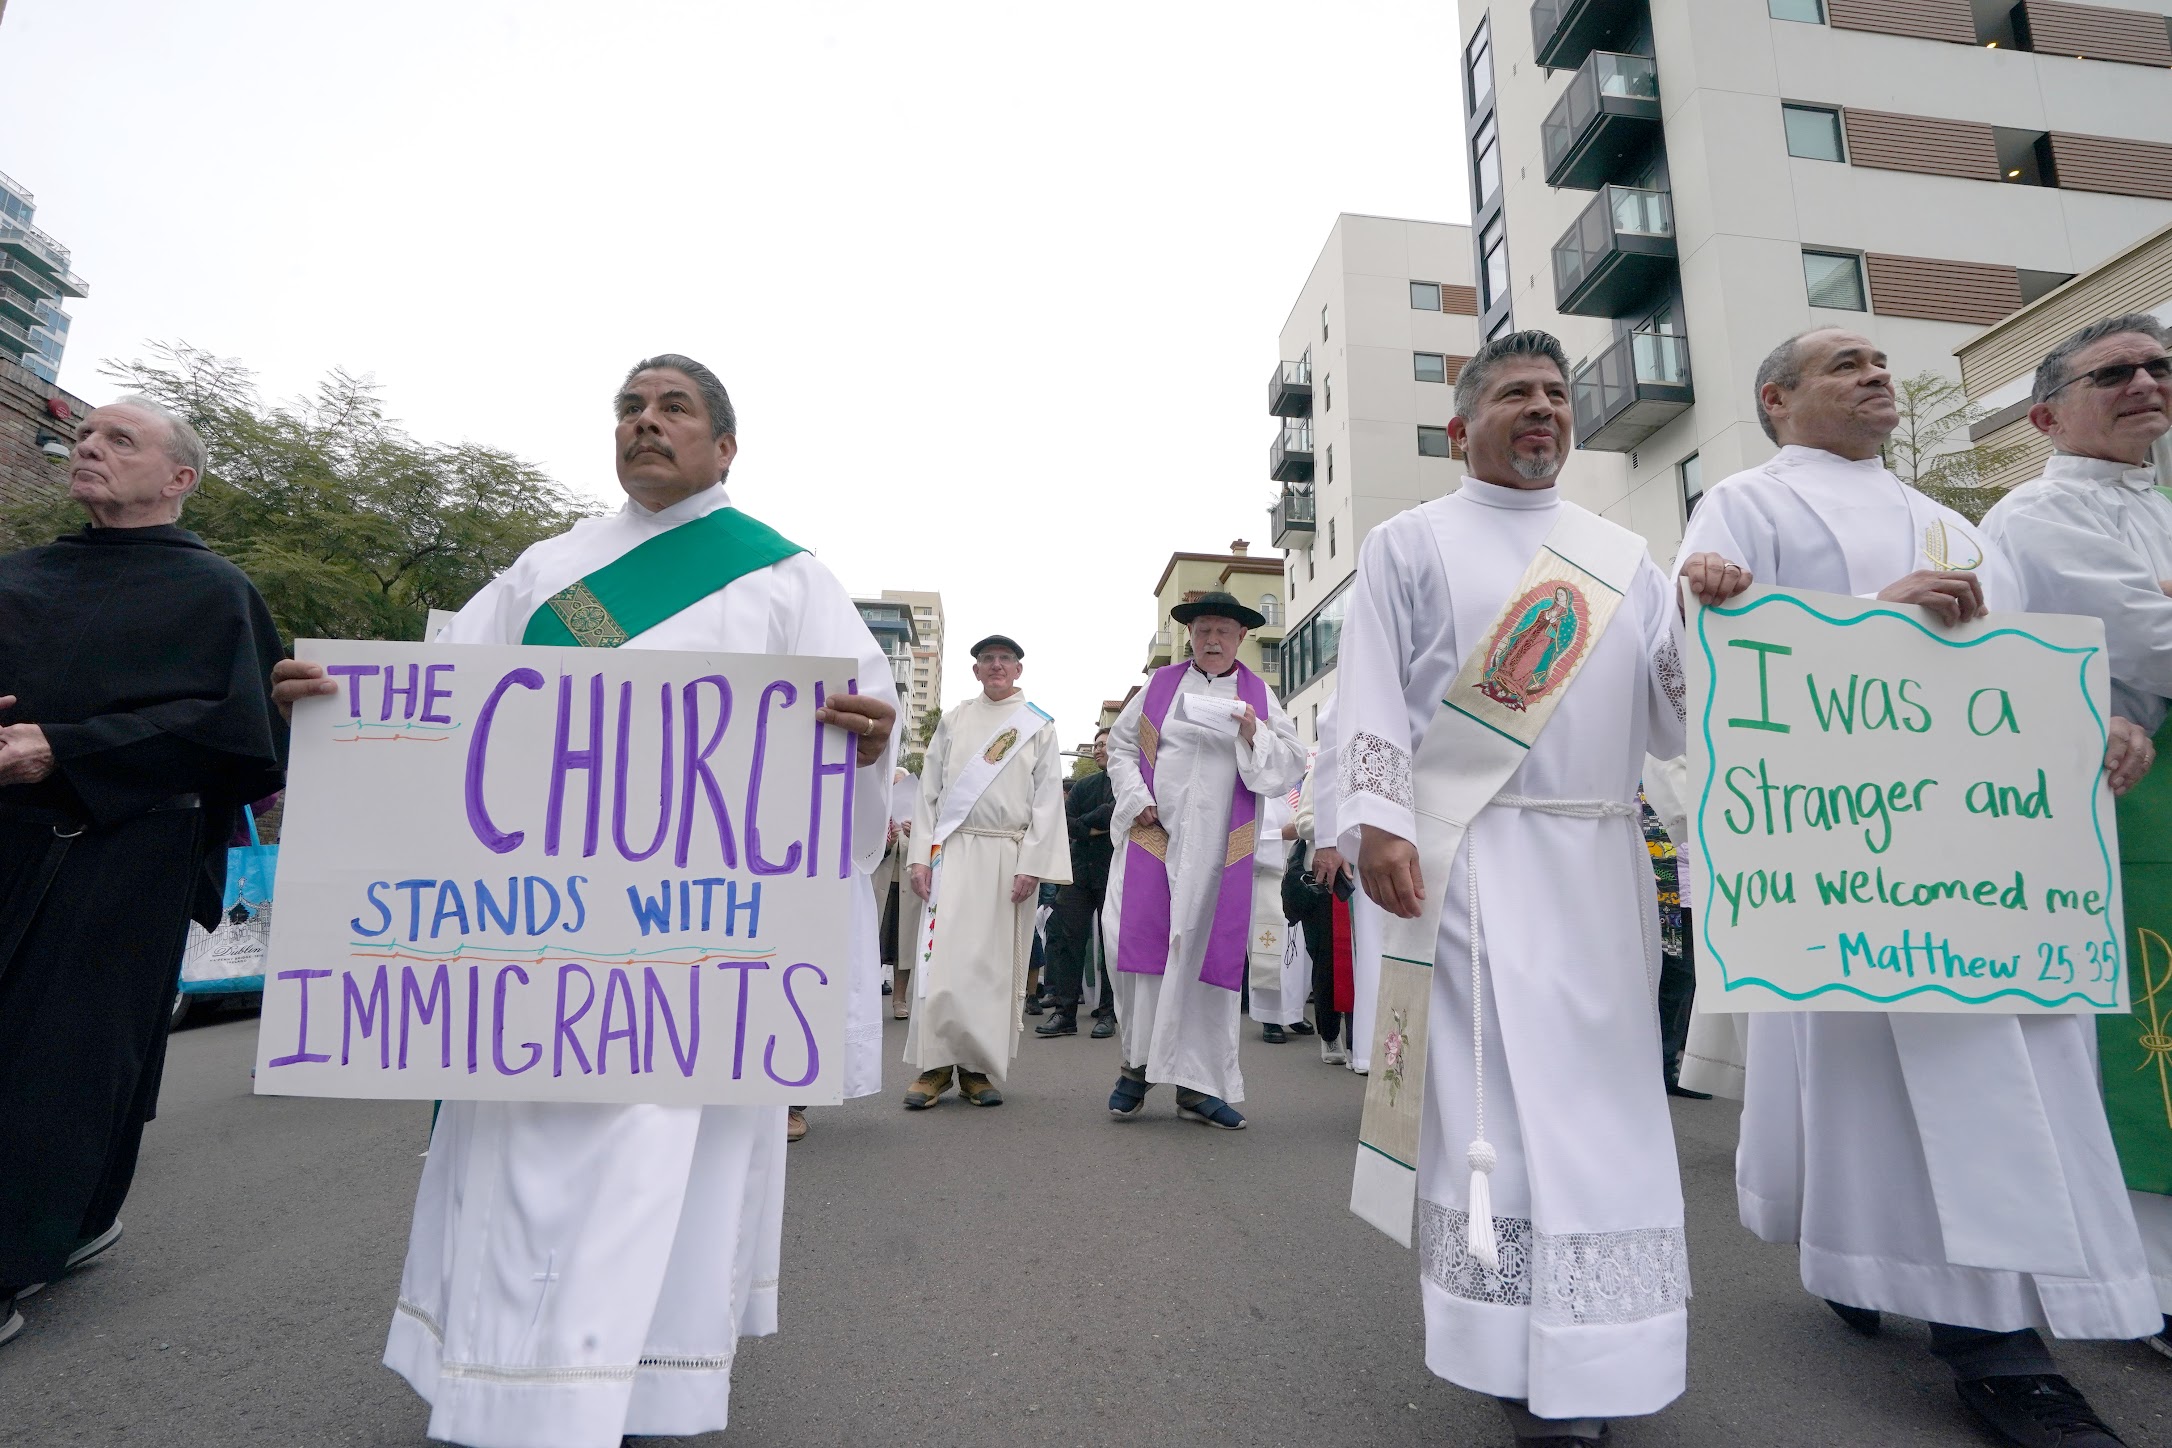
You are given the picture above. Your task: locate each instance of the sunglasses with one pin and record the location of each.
(2119, 374)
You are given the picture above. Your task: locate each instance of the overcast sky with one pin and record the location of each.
(995, 287)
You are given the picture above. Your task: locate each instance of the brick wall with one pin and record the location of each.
(24, 471)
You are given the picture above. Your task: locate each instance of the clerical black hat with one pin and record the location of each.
(1217, 605)
(998, 641)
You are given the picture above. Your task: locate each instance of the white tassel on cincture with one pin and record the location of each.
(1484, 1245)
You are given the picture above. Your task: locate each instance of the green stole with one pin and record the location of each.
(643, 586)
(2135, 1050)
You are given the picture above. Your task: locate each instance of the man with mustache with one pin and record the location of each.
(577, 1272)
(2093, 535)
(1191, 758)
(1954, 1168)
(1502, 839)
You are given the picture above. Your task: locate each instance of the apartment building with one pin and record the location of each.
(1254, 582)
(34, 281)
(924, 689)
(1673, 186)
(1362, 391)
(892, 625)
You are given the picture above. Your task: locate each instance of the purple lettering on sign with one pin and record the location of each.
(814, 1055)
(497, 1026)
(755, 862)
(697, 768)
(564, 760)
(415, 1006)
(746, 988)
(354, 674)
(431, 693)
(395, 691)
(618, 986)
(619, 767)
(653, 995)
(849, 767)
(301, 1050)
(493, 839)
(562, 1033)
(376, 1014)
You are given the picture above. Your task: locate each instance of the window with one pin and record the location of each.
(1311, 572)
(1331, 537)
(1327, 394)
(1810, 12)
(1270, 608)
(1323, 329)
(1331, 462)
(1425, 296)
(1478, 67)
(1486, 161)
(1692, 470)
(1834, 279)
(1429, 366)
(1310, 648)
(1493, 263)
(1432, 442)
(1813, 133)
(1502, 328)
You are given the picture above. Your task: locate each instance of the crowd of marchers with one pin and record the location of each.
(579, 1274)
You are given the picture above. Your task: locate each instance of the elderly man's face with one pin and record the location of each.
(1214, 643)
(2118, 422)
(1844, 403)
(665, 451)
(998, 670)
(121, 471)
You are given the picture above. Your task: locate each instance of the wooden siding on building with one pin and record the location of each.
(2030, 447)
(1941, 291)
(1459, 301)
(1950, 20)
(2137, 280)
(1455, 369)
(1922, 144)
(2094, 32)
(2105, 163)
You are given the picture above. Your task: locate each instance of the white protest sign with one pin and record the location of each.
(561, 874)
(1894, 815)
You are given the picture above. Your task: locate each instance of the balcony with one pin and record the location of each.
(49, 257)
(1631, 390)
(1618, 253)
(1289, 457)
(18, 306)
(1161, 648)
(1289, 390)
(1291, 518)
(12, 337)
(1563, 32)
(1609, 116)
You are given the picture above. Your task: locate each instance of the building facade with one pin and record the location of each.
(1362, 391)
(1673, 186)
(1254, 582)
(38, 423)
(892, 625)
(924, 689)
(34, 281)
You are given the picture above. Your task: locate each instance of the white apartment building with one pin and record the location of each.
(926, 682)
(1673, 186)
(1362, 393)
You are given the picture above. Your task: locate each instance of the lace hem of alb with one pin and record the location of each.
(1564, 1278)
(1371, 765)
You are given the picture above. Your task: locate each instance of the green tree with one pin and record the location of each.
(1933, 407)
(1083, 766)
(348, 526)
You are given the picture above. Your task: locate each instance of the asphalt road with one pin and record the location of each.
(1033, 1275)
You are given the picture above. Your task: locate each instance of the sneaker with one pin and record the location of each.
(2037, 1410)
(91, 1247)
(1332, 1053)
(1211, 1111)
(927, 1089)
(795, 1124)
(978, 1089)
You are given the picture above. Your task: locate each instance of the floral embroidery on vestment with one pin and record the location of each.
(1371, 765)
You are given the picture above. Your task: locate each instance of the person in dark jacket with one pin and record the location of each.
(1076, 919)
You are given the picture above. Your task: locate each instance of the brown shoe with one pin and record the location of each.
(977, 1088)
(923, 1092)
(795, 1123)
(901, 996)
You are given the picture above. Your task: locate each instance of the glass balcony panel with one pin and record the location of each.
(1606, 120)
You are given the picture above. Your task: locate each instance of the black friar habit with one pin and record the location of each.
(146, 659)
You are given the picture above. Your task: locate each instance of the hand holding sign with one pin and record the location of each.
(1952, 597)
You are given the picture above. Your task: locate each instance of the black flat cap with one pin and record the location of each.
(1217, 605)
(998, 641)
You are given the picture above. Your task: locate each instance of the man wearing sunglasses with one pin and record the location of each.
(2093, 535)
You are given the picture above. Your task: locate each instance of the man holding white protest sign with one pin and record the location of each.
(579, 1272)
(1955, 1167)
(2093, 536)
(987, 830)
(1507, 661)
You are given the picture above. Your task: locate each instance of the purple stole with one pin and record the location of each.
(1142, 938)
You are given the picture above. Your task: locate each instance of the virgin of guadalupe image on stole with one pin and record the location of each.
(1542, 637)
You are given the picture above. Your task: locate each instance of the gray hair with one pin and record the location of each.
(2055, 371)
(1781, 368)
(184, 445)
(1472, 379)
(723, 421)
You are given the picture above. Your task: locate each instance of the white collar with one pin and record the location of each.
(1792, 455)
(2135, 477)
(686, 510)
(1493, 495)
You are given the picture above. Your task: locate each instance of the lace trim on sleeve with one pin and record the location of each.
(1667, 666)
(1564, 1278)
(1371, 765)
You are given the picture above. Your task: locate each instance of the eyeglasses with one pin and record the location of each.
(2119, 374)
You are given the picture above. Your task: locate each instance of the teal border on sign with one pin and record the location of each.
(2096, 812)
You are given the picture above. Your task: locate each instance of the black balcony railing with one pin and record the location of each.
(1619, 251)
(1289, 390)
(1289, 457)
(1604, 123)
(1563, 32)
(1291, 518)
(1631, 390)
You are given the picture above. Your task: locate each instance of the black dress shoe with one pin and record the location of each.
(1302, 1028)
(1676, 1088)
(1273, 1035)
(1033, 1006)
(2041, 1410)
(1059, 1023)
(1865, 1320)
(1104, 1027)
